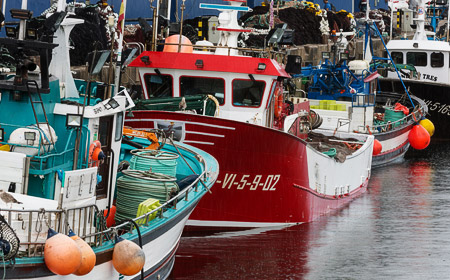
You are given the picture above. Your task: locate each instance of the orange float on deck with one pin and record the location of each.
(174, 41)
(377, 147)
(418, 137)
(110, 220)
(128, 258)
(61, 254)
(88, 257)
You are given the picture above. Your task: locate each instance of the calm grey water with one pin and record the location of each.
(399, 229)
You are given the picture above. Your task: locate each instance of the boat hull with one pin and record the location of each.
(267, 177)
(159, 245)
(435, 95)
(395, 144)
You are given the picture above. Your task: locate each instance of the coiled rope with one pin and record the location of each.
(154, 160)
(136, 186)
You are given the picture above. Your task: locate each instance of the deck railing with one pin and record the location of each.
(88, 222)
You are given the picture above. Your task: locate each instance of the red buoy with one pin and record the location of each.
(61, 254)
(88, 257)
(418, 137)
(128, 258)
(377, 147)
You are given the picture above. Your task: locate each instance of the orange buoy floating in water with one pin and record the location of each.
(174, 41)
(88, 257)
(377, 147)
(128, 258)
(418, 137)
(61, 254)
(428, 125)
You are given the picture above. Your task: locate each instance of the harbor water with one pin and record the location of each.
(398, 229)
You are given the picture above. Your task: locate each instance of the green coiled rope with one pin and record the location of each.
(154, 160)
(136, 186)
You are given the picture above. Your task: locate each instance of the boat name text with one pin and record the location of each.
(430, 77)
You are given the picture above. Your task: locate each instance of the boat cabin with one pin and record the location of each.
(430, 58)
(243, 88)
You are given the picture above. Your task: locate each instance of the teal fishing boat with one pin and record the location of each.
(65, 170)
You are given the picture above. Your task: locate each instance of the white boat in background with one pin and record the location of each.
(431, 60)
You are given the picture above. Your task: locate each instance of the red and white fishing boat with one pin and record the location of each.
(272, 172)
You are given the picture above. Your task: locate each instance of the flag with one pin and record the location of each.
(120, 21)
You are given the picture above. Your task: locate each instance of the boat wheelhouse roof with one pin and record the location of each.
(210, 62)
(422, 45)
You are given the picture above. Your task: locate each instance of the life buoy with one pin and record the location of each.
(278, 102)
(95, 153)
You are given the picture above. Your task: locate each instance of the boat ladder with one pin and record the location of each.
(41, 103)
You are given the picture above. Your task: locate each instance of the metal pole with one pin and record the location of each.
(181, 26)
(22, 22)
(448, 21)
(119, 51)
(390, 30)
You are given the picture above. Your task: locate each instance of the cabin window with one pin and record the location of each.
(397, 57)
(416, 58)
(437, 59)
(159, 85)
(119, 126)
(203, 86)
(248, 93)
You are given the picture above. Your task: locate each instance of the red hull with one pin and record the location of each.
(263, 176)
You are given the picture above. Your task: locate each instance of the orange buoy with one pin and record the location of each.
(110, 220)
(128, 258)
(88, 257)
(174, 41)
(61, 254)
(377, 147)
(418, 137)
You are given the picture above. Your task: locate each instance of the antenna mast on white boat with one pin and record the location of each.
(367, 51)
(420, 21)
(60, 64)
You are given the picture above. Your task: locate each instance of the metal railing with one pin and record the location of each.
(88, 222)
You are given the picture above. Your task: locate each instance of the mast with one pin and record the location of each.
(120, 48)
(420, 21)
(22, 21)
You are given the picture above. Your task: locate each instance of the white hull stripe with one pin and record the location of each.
(199, 223)
(206, 134)
(196, 123)
(197, 142)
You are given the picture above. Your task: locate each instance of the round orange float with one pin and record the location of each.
(88, 258)
(61, 254)
(128, 258)
(173, 44)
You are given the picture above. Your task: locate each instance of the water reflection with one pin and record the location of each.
(399, 229)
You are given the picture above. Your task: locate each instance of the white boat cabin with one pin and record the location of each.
(243, 92)
(431, 58)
